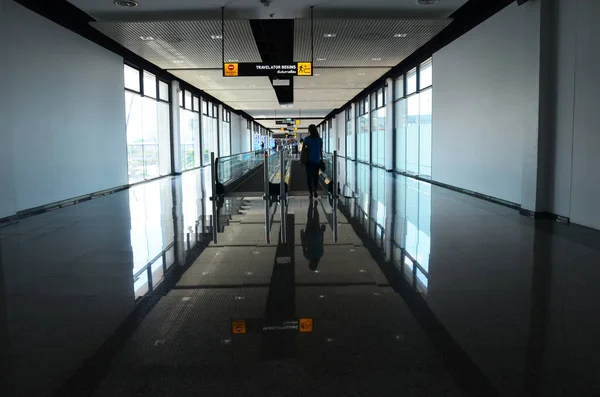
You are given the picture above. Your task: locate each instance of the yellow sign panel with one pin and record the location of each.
(239, 327)
(297, 122)
(304, 68)
(282, 128)
(306, 325)
(295, 128)
(230, 70)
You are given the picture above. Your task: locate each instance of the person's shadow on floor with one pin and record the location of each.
(312, 237)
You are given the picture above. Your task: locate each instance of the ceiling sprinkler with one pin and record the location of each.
(266, 3)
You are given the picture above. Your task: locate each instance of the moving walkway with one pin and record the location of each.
(272, 175)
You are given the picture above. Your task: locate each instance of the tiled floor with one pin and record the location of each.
(420, 292)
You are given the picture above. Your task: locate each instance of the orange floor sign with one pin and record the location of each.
(306, 325)
(239, 327)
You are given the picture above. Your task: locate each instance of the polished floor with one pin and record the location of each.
(400, 288)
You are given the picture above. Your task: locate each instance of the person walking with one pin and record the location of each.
(313, 144)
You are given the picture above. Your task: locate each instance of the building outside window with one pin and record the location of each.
(148, 126)
(350, 150)
(413, 120)
(255, 137)
(363, 147)
(210, 131)
(330, 137)
(226, 134)
(189, 129)
(378, 127)
(400, 124)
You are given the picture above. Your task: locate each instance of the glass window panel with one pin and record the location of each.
(401, 135)
(412, 134)
(209, 139)
(196, 104)
(205, 107)
(378, 137)
(149, 84)
(151, 161)
(362, 139)
(163, 91)
(350, 153)
(132, 78)
(399, 87)
(150, 133)
(135, 137)
(189, 139)
(425, 116)
(188, 100)
(148, 137)
(411, 82)
(164, 138)
(425, 75)
(225, 139)
(374, 101)
(380, 98)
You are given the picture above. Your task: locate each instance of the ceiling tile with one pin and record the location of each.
(184, 44)
(363, 42)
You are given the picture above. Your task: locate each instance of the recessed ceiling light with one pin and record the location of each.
(147, 38)
(362, 74)
(178, 61)
(375, 59)
(233, 60)
(426, 2)
(402, 35)
(216, 36)
(321, 59)
(126, 3)
(330, 35)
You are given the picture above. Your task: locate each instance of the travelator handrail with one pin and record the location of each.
(233, 167)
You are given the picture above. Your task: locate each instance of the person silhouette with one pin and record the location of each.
(312, 237)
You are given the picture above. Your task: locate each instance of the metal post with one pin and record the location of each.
(215, 216)
(267, 199)
(282, 193)
(150, 281)
(334, 181)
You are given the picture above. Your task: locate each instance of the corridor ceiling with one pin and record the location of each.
(184, 37)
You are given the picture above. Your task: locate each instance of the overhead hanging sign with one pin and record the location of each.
(270, 70)
(230, 70)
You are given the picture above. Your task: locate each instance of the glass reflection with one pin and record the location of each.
(413, 229)
(151, 234)
(408, 207)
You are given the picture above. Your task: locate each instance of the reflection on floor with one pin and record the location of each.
(422, 292)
